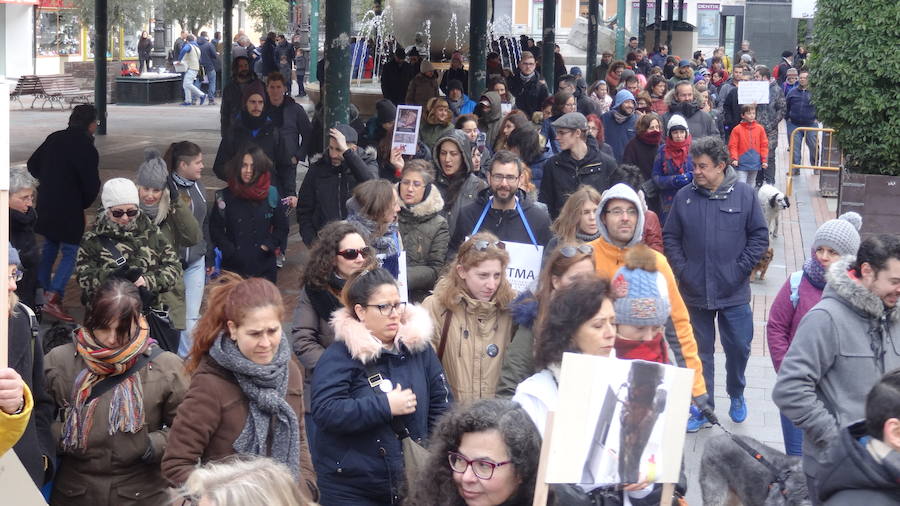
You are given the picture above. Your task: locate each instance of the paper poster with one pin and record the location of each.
(403, 279)
(505, 108)
(524, 264)
(406, 128)
(618, 421)
(753, 92)
(17, 486)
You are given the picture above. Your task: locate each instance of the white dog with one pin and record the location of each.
(773, 201)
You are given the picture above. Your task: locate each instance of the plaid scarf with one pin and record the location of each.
(126, 407)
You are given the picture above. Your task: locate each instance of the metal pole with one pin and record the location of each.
(620, 30)
(101, 40)
(549, 44)
(593, 16)
(680, 10)
(337, 64)
(313, 64)
(478, 13)
(657, 22)
(642, 24)
(669, 14)
(227, 36)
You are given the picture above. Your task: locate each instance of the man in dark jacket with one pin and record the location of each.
(769, 116)
(395, 77)
(619, 123)
(291, 120)
(527, 86)
(455, 72)
(685, 100)
(329, 183)
(209, 60)
(505, 204)
(731, 109)
(268, 64)
(800, 112)
(714, 236)
(787, 62)
(241, 76)
(578, 163)
(66, 164)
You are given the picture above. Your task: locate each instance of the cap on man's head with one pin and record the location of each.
(684, 63)
(572, 121)
(349, 133)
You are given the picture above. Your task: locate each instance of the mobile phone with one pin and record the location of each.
(480, 142)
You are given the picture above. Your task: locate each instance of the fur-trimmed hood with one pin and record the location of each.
(524, 309)
(432, 204)
(853, 294)
(415, 333)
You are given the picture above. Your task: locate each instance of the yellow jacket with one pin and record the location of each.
(13, 426)
(608, 258)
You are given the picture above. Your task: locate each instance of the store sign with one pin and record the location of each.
(54, 4)
(708, 23)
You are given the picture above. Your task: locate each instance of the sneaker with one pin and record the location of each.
(186, 103)
(697, 421)
(212, 101)
(202, 99)
(738, 410)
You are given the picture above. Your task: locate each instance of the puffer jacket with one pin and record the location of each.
(111, 471)
(359, 460)
(854, 476)
(425, 238)
(670, 178)
(143, 248)
(489, 122)
(420, 89)
(562, 175)
(469, 188)
(518, 364)
(475, 345)
(13, 426)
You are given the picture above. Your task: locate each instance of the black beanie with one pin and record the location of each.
(386, 111)
(455, 84)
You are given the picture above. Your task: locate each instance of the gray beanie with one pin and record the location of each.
(841, 234)
(152, 173)
(14, 256)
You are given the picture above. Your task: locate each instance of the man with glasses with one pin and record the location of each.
(620, 218)
(527, 86)
(577, 163)
(503, 209)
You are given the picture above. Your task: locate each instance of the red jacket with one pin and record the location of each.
(748, 136)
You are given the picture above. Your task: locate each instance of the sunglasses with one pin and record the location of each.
(571, 251)
(482, 245)
(353, 253)
(118, 213)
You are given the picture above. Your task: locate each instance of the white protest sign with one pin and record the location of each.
(17, 486)
(505, 108)
(618, 421)
(753, 92)
(402, 278)
(803, 9)
(406, 128)
(524, 264)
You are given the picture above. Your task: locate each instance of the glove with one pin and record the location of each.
(146, 297)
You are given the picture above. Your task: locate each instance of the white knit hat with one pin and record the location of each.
(119, 191)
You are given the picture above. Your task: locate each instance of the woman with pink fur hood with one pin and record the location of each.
(381, 370)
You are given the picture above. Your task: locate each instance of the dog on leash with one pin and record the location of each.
(773, 201)
(759, 270)
(729, 474)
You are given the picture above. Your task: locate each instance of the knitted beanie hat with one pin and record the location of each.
(152, 173)
(640, 289)
(621, 97)
(13, 256)
(119, 191)
(841, 234)
(677, 122)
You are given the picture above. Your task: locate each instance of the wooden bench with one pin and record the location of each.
(59, 88)
(26, 85)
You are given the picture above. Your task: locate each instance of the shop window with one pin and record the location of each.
(58, 33)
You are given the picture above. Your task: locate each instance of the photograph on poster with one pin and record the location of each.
(406, 128)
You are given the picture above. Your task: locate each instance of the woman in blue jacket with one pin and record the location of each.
(673, 167)
(380, 371)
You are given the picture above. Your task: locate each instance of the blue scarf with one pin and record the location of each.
(814, 272)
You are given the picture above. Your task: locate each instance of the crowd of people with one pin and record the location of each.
(412, 335)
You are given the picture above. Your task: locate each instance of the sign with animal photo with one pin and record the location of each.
(618, 421)
(524, 264)
(406, 128)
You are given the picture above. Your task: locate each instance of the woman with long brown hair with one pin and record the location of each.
(373, 211)
(577, 221)
(512, 121)
(438, 121)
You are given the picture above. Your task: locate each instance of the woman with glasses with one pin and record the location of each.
(483, 454)
(472, 320)
(246, 393)
(425, 232)
(118, 393)
(380, 378)
(125, 243)
(373, 211)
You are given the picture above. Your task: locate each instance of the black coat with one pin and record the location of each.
(231, 103)
(530, 95)
(296, 129)
(325, 190)
(395, 79)
(269, 138)
(563, 175)
(461, 75)
(853, 477)
(21, 235)
(642, 155)
(66, 164)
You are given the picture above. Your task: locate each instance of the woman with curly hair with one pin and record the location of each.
(438, 121)
(485, 453)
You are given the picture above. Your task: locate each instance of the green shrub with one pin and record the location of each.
(855, 80)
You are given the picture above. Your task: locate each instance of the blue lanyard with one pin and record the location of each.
(521, 215)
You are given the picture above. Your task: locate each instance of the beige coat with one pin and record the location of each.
(474, 326)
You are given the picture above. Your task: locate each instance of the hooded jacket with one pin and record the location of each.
(468, 187)
(713, 239)
(609, 257)
(834, 360)
(489, 121)
(425, 238)
(530, 93)
(357, 452)
(749, 145)
(669, 177)
(699, 123)
(617, 134)
(563, 174)
(855, 476)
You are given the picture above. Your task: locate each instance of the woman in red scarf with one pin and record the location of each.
(249, 224)
(614, 76)
(674, 166)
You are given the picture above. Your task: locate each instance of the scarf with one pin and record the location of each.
(525, 78)
(252, 123)
(814, 272)
(719, 82)
(269, 412)
(587, 238)
(126, 405)
(653, 350)
(182, 182)
(651, 138)
(677, 151)
(323, 300)
(151, 211)
(619, 117)
(258, 190)
(612, 81)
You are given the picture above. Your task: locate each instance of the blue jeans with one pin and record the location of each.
(736, 332)
(811, 139)
(194, 281)
(188, 85)
(793, 437)
(211, 77)
(63, 270)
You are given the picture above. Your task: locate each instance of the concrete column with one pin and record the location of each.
(101, 41)
(337, 64)
(549, 41)
(478, 45)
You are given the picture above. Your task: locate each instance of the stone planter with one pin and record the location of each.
(875, 197)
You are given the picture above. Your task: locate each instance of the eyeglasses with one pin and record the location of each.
(571, 251)
(482, 245)
(118, 213)
(16, 275)
(354, 253)
(414, 184)
(483, 469)
(499, 178)
(618, 212)
(387, 309)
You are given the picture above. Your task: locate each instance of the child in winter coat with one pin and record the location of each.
(748, 145)
(674, 167)
(642, 307)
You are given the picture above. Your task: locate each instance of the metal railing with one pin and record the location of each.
(825, 154)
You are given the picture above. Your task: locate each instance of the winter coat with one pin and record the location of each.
(460, 74)
(267, 57)
(670, 178)
(421, 88)
(518, 364)
(425, 238)
(562, 175)
(429, 134)
(358, 456)
(831, 364)
(653, 231)
(26, 356)
(181, 230)
(472, 371)
(504, 223)
(853, 476)
(231, 101)
(464, 105)
(294, 127)
(241, 227)
(145, 47)
(212, 416)
(700, 123)
(395, 81)
(270, 139)
(21, 236)
(193, 199)
(641, 155)
(770, 115)
(530, 94)
(66, 165)
(490, 121)
(470, 187)
(13, 426)
(143, 248)
(784, 317)
(713, 240)
(325, 190)
(617, 134)
(799, 108)
(310, 331)
(112, 471)
(209, 58)
(749, 145)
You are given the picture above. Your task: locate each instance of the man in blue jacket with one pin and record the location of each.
(209, 60)
(714, 236)
(619, 123)
(800, 112)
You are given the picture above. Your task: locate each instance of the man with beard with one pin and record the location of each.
(685, 101)
(241, 76)
(619, 123)
(499, 209)
(526, 85)
(291, 120)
